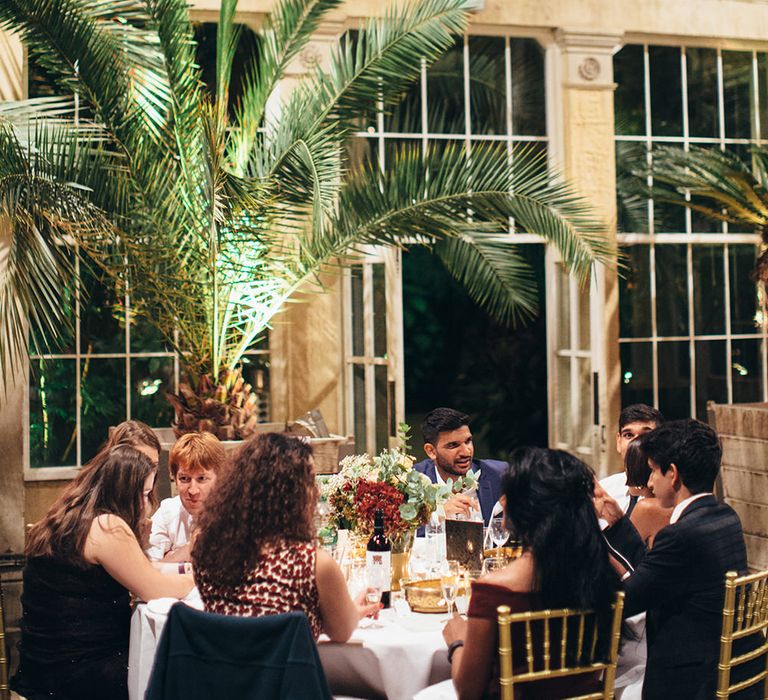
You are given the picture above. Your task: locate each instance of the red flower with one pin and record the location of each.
(371, 496)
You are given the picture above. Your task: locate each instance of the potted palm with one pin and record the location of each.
(216, 211)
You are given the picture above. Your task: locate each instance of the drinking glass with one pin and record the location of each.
(373, 594)
(462, 596)
(493, 564)
(449, 583)
(499, 531)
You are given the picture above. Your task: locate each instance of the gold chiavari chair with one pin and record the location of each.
(745, 613)
(572, 651)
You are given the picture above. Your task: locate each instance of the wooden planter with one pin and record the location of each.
(743, 429)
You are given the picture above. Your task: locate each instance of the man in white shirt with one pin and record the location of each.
(634, 421)
(194, 463)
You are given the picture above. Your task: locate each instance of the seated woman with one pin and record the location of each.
(255, 552)
(195, 462)
(548, 505)
(83, 561)
(646, 514)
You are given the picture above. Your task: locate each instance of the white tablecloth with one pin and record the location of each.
(394, 661)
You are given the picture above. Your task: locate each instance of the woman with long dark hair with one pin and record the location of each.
(83, 561)
(256, 554)
(548, 505)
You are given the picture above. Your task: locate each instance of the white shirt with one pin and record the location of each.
(171, 528)
(616, 487)
(680, 507)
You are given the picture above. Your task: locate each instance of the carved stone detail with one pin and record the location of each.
(589, 68)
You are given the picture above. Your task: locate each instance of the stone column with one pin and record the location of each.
(12, 400)
(588, 154)
(306, 343)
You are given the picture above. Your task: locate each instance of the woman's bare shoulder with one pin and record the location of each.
(517, 576)
(108, 525)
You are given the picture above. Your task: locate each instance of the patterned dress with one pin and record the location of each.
(283, 581)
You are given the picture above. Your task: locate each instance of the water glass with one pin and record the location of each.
(434, 531)
(449, 583)
(499, 531)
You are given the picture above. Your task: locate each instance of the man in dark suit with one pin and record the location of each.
(680, 581)
(448, 444)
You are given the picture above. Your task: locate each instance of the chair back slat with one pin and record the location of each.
(529, 646)
(594, 638)
(743, 635)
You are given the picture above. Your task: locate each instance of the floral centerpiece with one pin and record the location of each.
(386, 482)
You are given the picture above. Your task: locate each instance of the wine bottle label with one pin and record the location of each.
(379, 567)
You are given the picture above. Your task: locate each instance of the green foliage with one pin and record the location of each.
(216, 213)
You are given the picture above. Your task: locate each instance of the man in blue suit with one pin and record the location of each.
(448, 444)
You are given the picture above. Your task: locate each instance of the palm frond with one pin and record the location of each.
(494, 274)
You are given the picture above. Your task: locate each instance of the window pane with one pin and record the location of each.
(762, 90)
(629, 100)
(674, 380)
(745, 371)
(666, 91)
(529, 114)
(445, 92)
(487, 85)
(52, 414)
(382, 411)
(708, 289)
(565, 427)
(631, 194)
(584, 427)
(151, 378)
(358, 402)
(145, 337)
(358, 311)
(635, 293)
(710, 375)
(379, 311)
(636, 373)
(563, 299)
(667, 217)
(703, 119)
(256, 373)
(744, 303)
(64, 341)
(737, 94)
(406, 116)
(102, 315)
(671, 290)
(103, 402)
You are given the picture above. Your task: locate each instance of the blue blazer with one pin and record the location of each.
(488, 485)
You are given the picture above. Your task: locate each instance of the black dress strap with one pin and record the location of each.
(632, 503)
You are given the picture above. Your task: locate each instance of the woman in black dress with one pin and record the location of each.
(83, 559)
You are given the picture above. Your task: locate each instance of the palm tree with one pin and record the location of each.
(215, 211)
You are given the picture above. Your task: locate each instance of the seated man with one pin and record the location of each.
(448, 444)
(634, 421)
(194, 463)
(680, 581)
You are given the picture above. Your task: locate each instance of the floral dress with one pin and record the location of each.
(283, 581)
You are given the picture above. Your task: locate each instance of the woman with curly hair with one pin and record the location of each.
(547, 498)
(83, 561)
(256, 553)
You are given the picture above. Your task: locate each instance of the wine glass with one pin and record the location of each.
(493, 564)
(499, 531)
(449, 583)
(462, 596)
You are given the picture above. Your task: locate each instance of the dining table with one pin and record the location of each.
(392, 658)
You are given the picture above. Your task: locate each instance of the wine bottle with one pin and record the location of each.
(378, 558)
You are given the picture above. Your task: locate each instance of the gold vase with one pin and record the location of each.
(402, 544)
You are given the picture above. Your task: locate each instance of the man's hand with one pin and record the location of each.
(606, 507)
(460, 504)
